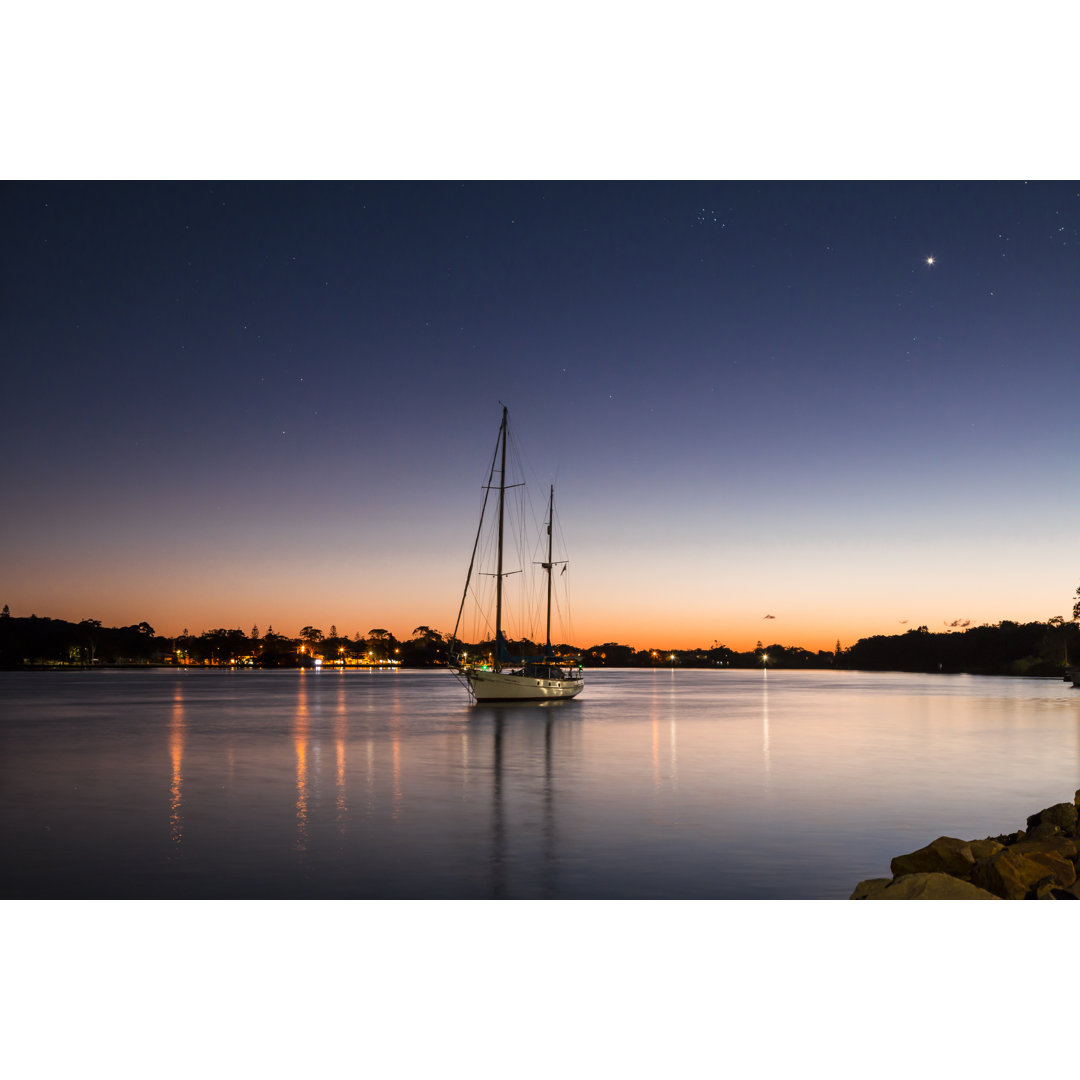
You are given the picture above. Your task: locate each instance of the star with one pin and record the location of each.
(930, 260)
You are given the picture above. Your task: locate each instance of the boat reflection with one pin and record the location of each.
(517, 791)
(360, 777)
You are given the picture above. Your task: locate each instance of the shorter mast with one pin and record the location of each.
(549, 566)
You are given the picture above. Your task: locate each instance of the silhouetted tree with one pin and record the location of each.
(335, 647)
(91, 626)
(223, 646)
(381, 644)
(611, 654)
(277, 650)
(310, 637)
(426, 648)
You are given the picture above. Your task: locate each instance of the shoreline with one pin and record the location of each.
(1039, 863)
(777, 672)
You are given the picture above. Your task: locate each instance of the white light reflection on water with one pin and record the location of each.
(652, 784)
(766, 763)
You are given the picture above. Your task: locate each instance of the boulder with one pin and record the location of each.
(1044, 831)
(1013, 875)
(1057, 866)
(1064, 846)
(865, 889)
(1039, 863)
(1047, 890)
(945, 855)
(1009, 838)
(923, 887)
(1063, 815)
(985, 849)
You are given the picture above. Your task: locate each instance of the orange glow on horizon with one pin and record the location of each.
(813, 607)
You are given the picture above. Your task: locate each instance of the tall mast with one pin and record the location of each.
(499, 568)
(547, 567)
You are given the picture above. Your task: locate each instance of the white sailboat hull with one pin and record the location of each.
(507, 686)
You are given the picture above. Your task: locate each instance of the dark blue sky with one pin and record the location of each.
(237, 403)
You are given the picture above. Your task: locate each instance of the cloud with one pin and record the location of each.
(959, 622)
(770, 616)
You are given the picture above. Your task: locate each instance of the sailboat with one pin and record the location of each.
(501, 677)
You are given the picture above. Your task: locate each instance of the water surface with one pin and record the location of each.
(653, 784)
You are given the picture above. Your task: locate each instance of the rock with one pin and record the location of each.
(1041, 863)
(1013, 875)
(946, 855)
(1044, 830)
(1009, 838)
(1063, 815)
(985, 849)
(924, 887)
(1064, 846)
(1047, 890)
(865, 889)
(1057, 866)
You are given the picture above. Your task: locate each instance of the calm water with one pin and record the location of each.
(665, 784)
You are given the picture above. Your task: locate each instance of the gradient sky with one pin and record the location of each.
(237, 404)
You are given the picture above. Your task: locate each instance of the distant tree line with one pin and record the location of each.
(33, 640)
(1005, 648)
(612, 654)
(45, 642)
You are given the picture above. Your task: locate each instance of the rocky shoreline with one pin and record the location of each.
(1040, 863)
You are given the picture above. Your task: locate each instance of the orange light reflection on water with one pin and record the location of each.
(340, 731)
(300, 741)
(662, 704)
(176, 755)
(397, 778)
(396, 722)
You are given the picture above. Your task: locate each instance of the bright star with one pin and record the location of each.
(930, 260)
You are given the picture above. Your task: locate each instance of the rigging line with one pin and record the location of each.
(530, 478)
(479, 529)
